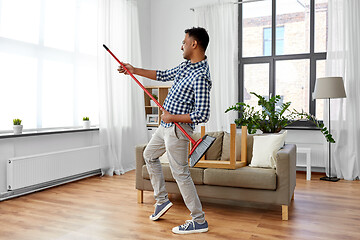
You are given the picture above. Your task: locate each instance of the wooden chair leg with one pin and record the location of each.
(285, 212)
(140, 196)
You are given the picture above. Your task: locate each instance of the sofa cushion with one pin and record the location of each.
(197, 174)
(265, 148)
(245, 177)
(214, 152)
(225, 155)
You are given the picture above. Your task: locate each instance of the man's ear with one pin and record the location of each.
(194, 44)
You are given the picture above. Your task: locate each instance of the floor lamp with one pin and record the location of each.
(327, 88)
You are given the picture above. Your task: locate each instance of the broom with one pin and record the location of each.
(199, 147)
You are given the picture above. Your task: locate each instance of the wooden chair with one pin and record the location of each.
(232, 164)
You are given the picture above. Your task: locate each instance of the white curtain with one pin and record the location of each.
(343, 55)
(122, 114)
(220, 20)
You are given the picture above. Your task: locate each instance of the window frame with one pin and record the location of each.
(273, 58)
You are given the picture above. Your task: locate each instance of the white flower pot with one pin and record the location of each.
(18, 129)
(86, 124)
(152, 103)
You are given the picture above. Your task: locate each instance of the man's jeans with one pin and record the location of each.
(175, 143)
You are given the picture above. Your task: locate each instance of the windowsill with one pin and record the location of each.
(38, 132)
(301, 125)
(302, 128)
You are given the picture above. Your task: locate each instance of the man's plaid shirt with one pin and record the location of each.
(190, 93)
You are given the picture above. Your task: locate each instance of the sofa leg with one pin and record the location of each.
(292, 198)
(285, 212)
(140, 196)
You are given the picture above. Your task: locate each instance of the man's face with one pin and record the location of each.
(186, 47)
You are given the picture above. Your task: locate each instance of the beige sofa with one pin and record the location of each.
(273, 186)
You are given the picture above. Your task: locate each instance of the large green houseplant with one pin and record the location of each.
(272, 119)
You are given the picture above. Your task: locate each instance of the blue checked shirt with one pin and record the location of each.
(190, 93)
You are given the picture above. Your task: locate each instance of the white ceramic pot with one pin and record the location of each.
(152, 103)
(86, 124)
(18, 129)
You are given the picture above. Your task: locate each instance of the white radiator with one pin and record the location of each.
(36, 169)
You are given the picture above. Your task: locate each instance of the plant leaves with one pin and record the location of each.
(270, 120)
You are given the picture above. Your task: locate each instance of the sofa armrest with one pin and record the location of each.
(139, 150)
(286, 172)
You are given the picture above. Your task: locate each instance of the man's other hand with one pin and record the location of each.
(166, 116)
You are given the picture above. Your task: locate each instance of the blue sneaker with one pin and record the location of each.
(161, 210)
(191, 227)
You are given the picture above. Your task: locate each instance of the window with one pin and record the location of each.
(256, 79)
(279, 41)
(289, 66)
(48, 62)
(267, 41)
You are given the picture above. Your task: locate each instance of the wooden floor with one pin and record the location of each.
(106, 208)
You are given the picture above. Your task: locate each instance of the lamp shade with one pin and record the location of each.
(329, 87)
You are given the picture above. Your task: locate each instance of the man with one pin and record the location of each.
(187, 103)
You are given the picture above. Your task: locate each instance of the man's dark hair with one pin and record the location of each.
(200, 35)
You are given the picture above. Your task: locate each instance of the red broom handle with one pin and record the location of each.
(147, 92)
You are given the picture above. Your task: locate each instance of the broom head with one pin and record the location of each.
(200, 148)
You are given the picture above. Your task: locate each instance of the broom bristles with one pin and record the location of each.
(201, 149)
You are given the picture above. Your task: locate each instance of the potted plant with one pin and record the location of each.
(86, 122)
(272, 118)
(17, 126)
(152, 103)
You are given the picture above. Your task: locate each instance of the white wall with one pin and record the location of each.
(162, 24)
(169, 19)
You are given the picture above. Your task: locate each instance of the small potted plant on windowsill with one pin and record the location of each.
(86, 122)
(152, 103)
(17, 126)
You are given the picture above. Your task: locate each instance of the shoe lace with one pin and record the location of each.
(187, 224)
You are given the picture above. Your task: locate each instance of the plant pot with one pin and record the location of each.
(86, 124)
(18, 129)
(152, 103)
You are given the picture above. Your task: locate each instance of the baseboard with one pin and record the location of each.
(38, 187)
(313, 169)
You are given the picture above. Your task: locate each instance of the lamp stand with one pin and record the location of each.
(329, 178)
